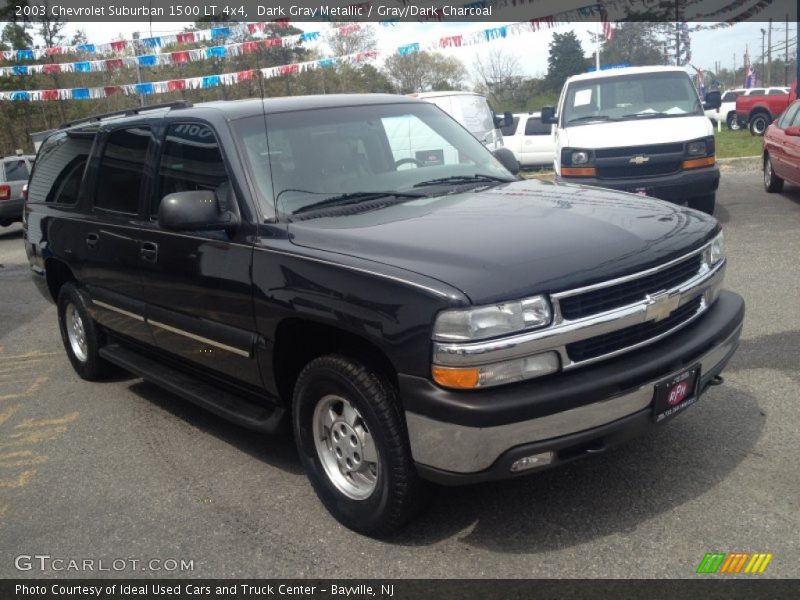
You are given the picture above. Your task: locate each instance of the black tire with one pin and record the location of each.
(89, 366)
(704, 204)
(759, 123)
(6, 222)
(398, 492)
(772, 183)
(733, 122)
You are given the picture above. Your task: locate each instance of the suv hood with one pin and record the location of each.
(610, 134)
(516, 239)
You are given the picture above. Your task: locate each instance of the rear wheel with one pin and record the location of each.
(81, 336)
(733, 122)
(352, 440)
(772, 183)
(759, 123)
(705, 203)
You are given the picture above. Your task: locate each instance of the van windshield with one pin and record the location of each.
(629, 97)
(306, 158)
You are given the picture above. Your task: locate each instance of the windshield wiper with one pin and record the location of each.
(354, 198)
(652, 115)
(477, 178)
(592, 118)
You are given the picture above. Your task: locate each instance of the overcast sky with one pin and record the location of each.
(531, 49)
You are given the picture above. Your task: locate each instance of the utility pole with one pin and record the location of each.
(769, 53)
(786, 57)
(137, 45)
(678, 33)
(761, 69)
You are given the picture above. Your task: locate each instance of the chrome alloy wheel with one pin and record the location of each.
(345, 447)
(767, 172)
(76, 333)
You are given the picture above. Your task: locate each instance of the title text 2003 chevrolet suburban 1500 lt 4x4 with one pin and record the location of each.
(289, 259)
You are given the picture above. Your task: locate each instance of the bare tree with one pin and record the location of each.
(350, 38)
(424, 71)
(496, 70)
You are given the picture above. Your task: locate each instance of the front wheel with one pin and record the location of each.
(772, 183)
(352, 440)
(81, 336)
(704, 204)
(759, 124)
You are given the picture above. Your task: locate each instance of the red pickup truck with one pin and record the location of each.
(758, 111)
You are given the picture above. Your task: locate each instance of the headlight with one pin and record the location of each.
(716, 250)
(696, 149)
(581, 157)
(489, 321)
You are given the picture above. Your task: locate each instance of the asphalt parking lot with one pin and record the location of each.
(122, 470)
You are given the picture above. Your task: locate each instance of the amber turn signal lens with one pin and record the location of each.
(695, 163)
(579, 171)
(456, 378)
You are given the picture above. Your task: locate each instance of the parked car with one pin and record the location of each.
(757, 110)
(473, 112)
(271, 261)
(14, 174)
(529, 139)
(781, 155)
(637, 129)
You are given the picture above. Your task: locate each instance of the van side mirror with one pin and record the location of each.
(197, 210)
(549, 115)
(507, 159)
(713, 100)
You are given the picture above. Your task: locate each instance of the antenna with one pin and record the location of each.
(262, 92)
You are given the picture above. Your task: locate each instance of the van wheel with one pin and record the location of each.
(772, 183)
(759, 123)
(704, 204)
(81, 336)
(733, 122)
(352, 440)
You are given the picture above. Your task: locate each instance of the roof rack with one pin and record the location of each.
(127, 112)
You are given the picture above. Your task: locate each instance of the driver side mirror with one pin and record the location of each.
(197, 210)
(507, 159)
(505, 121)
(713, 100)
(549, 115)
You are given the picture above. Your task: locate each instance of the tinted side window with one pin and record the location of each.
(510, 129)
(16, 170)
(757, 93)
(778, 93)
(786, 118)
(56, 158)
(191, 160)
(534, 126)
(795, 120)
(121, 169)
(729, 97)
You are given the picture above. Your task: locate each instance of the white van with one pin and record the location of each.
(529, 139)
(472, 111)
(637, 129)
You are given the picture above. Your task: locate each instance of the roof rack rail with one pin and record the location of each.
(127, 112)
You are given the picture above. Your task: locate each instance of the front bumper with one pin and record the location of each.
(11, 209)
(677, 187)
(465, 437)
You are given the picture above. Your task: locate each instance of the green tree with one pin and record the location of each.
(566, 58)
(635, 43)
(79, 37)
(15, 36)
(424, 71)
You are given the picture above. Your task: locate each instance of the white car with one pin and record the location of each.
(530, 140)
(727, 110)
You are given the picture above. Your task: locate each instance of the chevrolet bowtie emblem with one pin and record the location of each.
(639, 160)
(661, 305)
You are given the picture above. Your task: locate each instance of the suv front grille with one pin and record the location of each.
(630, 336)
(628, 292)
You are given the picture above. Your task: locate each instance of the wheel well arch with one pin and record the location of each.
(760, 110)
(58, 273)
(299, 341)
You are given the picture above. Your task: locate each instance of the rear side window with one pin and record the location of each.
(121, 170)
(191, 160)
(778, 93)
(789, 114)
(62, 155)
(16, 170)
(729, 97)
(534, 126)
(757, 93)
(510, 129)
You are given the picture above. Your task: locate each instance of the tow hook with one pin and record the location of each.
(716, 380)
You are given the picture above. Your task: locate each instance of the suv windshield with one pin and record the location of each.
(628, 97)
(395, 151)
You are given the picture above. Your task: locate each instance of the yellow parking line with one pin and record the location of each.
(8, 413)
(21, 480)
(33, 436)
(29, 392)
(69, 418)
(20, 458)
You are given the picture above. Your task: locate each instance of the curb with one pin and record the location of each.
(750, 162)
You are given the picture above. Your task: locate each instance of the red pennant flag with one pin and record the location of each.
(118, 46)
(272, 42)
(53, 50)
(110, 90)
(453, 41)
(245, 75)
(179, 57)
(114, 63)
(51, 68)
(186, 38)
(249, 47)
(176, 84)
(287, 69)
(49, 94)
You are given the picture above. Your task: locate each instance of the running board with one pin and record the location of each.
(212, 398)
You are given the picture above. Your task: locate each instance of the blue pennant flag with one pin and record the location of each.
(408, 49)
(19, 96)
(25, 54)
(146, 60)
(80, 94)
(19, 70)
(83, 67)
(220, 32)
(210, 81)
(145, 89)
(215, 52)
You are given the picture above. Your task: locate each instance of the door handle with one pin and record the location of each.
(91, 241)
(148, 251)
